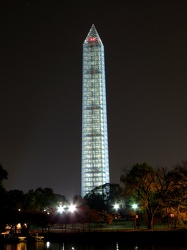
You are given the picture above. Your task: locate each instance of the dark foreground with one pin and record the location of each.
(170, 237)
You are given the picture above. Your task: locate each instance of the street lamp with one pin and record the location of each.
(72, 208)
(136, 221)
(134, 206)
(116, 206)
(60, 209)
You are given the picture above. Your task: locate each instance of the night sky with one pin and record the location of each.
(41, 87)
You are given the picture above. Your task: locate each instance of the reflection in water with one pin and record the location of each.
(48, 244)
(19, 246)
(136, 247)
(81, 246)
(117, 247)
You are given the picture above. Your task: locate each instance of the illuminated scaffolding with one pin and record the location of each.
(95, 159)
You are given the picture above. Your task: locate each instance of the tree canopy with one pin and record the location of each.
(148, 187)
(105, 196)
(3, 175)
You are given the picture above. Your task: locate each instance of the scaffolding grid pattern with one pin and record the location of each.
(95, 159)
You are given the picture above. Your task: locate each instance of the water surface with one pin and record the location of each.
(85, 246)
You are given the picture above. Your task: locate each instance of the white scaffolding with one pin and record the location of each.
(95, 159)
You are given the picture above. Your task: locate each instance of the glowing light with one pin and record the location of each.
(92, 39)
(116, 206)
(60, 209)
(134, 206)
(18, 225)
(48, 244)
(72, 208)
(117, 246)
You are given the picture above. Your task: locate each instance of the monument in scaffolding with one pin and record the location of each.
(95, 158)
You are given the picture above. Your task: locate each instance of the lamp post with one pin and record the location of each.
(116, 207)
(60, 208)
(136, 220)
(134, 206)
(72, 208)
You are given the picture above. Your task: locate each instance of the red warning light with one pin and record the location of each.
(92, 39)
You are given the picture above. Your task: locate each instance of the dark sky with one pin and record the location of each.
(41, 83)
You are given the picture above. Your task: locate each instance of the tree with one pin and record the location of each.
(42, 199)
(103, 197)
(15, 199)
(108, 218)
(176, 197)
(95, 200)
(3, 176)
(113, 193)
(148, 187)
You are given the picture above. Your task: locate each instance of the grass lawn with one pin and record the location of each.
(117, 225)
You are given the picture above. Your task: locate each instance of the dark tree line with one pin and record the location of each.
(157, 191)
(39, 208)
(32, 207)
